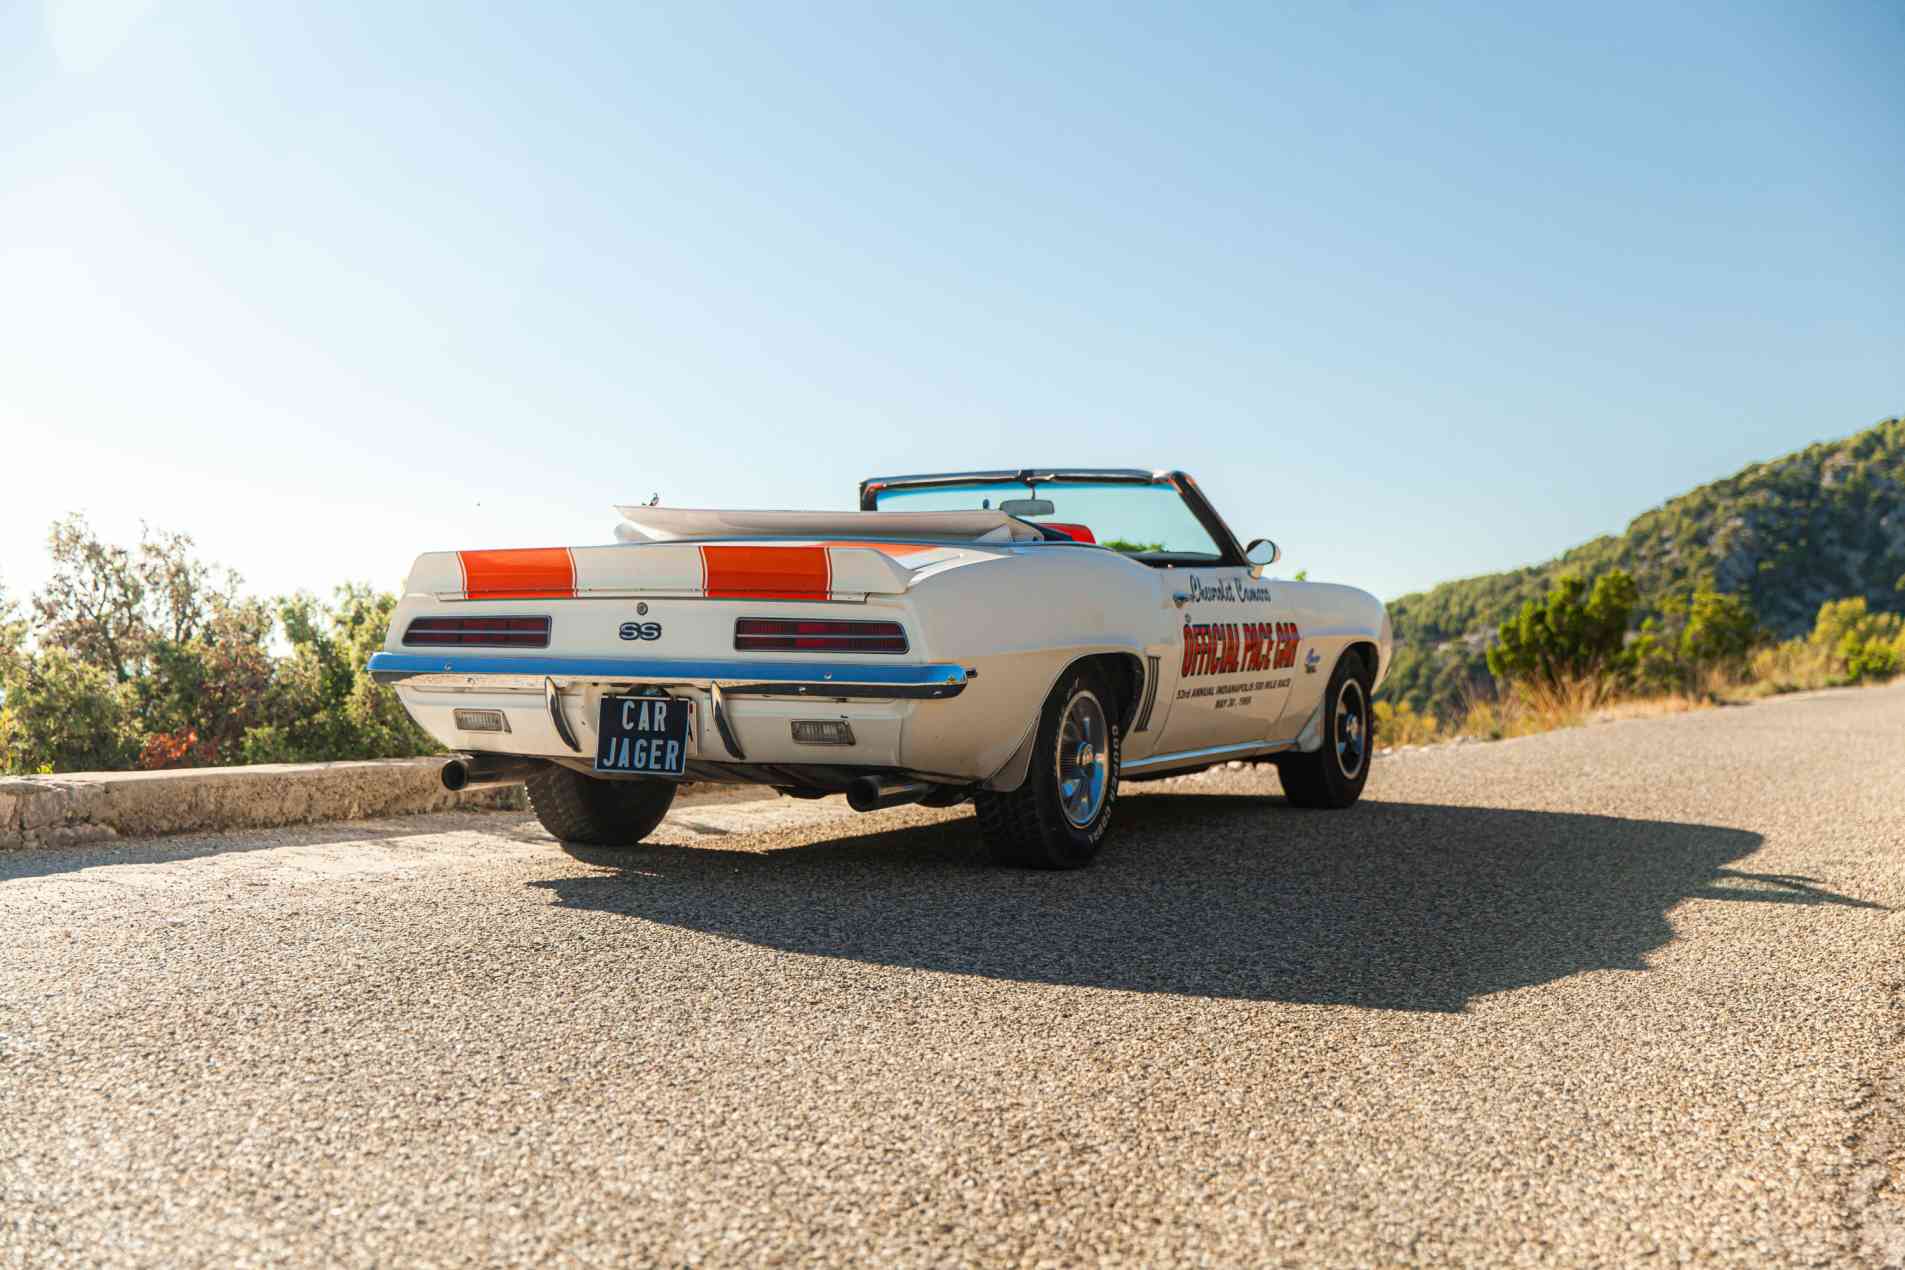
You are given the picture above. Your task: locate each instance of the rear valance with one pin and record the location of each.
(719, 571)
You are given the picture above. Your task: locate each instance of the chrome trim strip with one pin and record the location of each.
(480, 685)
(935, 681)
(1004, 476)
(552, 697)
(1212, 752)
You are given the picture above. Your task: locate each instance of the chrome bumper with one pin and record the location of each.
(756, 678)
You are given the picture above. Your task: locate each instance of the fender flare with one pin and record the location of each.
(1309, 739)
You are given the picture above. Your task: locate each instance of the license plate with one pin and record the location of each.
(643, 736)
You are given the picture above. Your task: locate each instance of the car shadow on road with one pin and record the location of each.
(1392, 905)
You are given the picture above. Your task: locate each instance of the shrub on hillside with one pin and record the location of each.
(1697, 641)
(1577, 636)
(1848, 645)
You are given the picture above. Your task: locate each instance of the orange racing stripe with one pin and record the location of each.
(766, 573)
(522, 573)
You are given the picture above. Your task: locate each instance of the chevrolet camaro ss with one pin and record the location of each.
(1022, 639)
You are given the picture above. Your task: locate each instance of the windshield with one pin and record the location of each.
(1149, 522)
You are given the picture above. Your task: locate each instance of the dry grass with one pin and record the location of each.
(1526, 710)
(1398, 723)
(1651, 707)
(1794, 666)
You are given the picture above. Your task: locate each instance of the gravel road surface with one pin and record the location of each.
(1626, 992)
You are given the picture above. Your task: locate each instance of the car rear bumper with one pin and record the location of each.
(858, 680)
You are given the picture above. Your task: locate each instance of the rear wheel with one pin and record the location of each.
(597, 813)
(1058, 818)
(1334, 776)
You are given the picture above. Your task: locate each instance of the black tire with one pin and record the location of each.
(1042, 824)
(597, 813)
(1334, 776)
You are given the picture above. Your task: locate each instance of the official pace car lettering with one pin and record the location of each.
(1288, 637)
(1229, 648)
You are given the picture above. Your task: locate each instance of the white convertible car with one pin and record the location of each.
(1024, 639)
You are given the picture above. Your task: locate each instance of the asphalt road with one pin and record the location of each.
(1626, 992)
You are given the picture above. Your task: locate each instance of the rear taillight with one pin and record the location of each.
(481, 632)
(808, 635)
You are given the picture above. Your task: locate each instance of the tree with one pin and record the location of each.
(1575, 635)
(192, 657)
(204, 691)
(183, 595)
(93, 606)
(112, 607)
(13, 630)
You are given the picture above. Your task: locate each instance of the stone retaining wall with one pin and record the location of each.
(51, 811)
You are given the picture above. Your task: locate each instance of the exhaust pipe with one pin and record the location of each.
(474, 771)
(870, 793)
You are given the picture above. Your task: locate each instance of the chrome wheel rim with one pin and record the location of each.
(1352, 728)
(1084, 759)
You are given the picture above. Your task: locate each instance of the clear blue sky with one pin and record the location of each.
(1420, 291)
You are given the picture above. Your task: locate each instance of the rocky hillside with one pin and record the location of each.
(1790, 534)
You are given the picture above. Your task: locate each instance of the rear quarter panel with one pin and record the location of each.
(1020, 620)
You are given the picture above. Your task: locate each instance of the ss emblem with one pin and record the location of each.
(641, 630)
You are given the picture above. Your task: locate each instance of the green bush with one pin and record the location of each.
(1872, 662)
(1720, 631)
(1577, 634)
(1849, 644)
(321, 704)
(64, 715)
(1864, 645)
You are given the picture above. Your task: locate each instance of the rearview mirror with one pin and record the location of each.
(1262, 553)
(1026, 506)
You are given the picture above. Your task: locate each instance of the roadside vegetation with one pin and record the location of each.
(147, 657)
(1784, 537)
(1577, 657)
